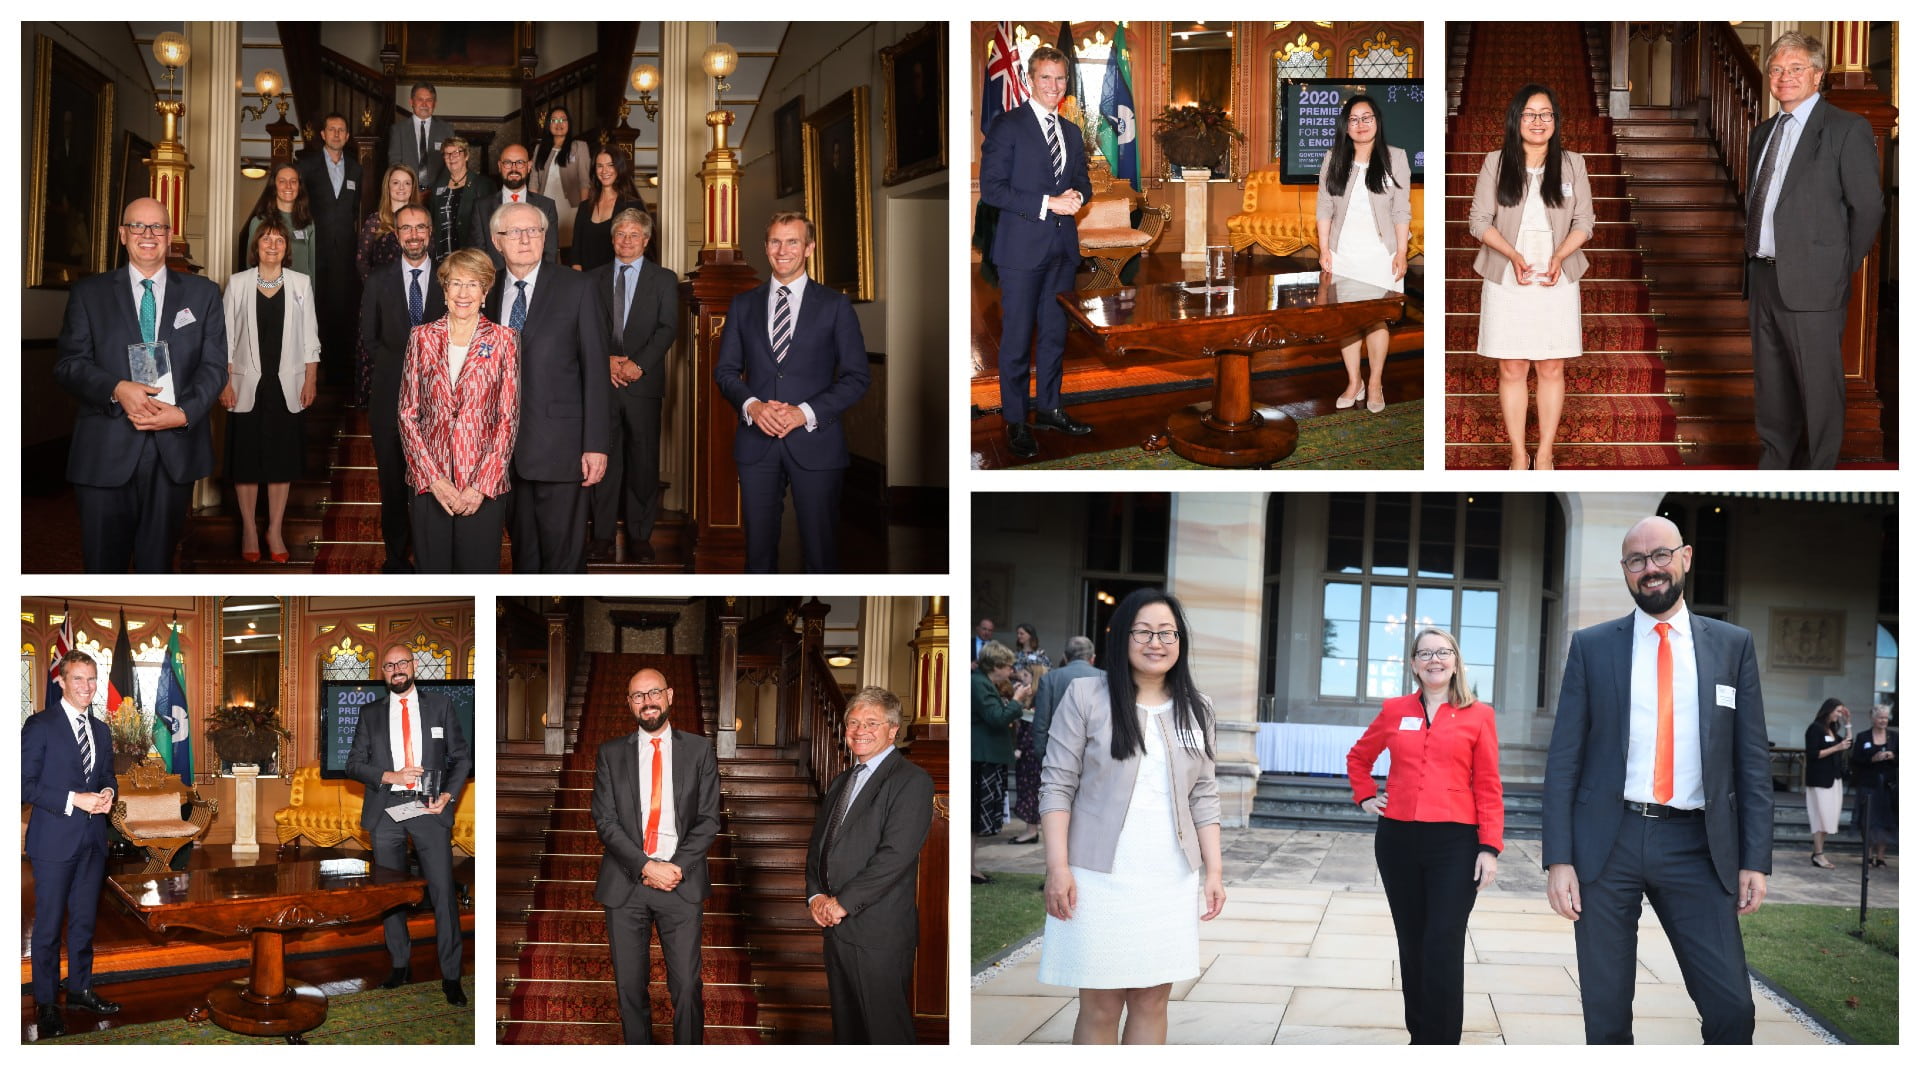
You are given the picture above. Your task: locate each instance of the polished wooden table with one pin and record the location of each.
(1231, 321)
(268, 903)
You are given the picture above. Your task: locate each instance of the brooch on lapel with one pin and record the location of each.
(484, 351)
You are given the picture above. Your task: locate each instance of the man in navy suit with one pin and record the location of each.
(515, 166)
(66, 774)
(416, 140)
(792, 361)
(134, 458)
(1657, 785)
(331, 178)
(643, 317)
(1813, 212)
(399, 296)
(397, 741)
(1033, 167)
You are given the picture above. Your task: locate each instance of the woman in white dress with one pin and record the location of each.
(1532, 210)
(1364, 216)
(1132, 827)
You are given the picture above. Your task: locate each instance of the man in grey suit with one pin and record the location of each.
(643, 317)
(1054, 684)
(515, 166)
(863, 866)
(656, 807)
(416, 140)
(1657, 785)
(1813, 210)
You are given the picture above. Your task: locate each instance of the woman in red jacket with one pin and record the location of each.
(1439, 834)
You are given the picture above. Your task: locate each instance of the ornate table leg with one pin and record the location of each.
(1231, 433)
(267, 1003)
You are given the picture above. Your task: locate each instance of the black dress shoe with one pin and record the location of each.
(455, 994)
(401, 975)
(599, 551)
(396, 566)
(1020, 440)
(1059, 419)
(641, 551)
(89, 1000)
(50, 1023)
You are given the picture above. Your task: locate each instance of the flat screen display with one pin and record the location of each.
(1306, 121)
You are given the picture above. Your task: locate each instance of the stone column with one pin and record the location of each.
(1193, 248)
(1596, 590)
(246, 789)
(1215, 571)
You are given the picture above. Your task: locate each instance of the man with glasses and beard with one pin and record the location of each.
(399, 296)
(656, 807)
(397, 742)
(1657, 785)
(515, 167)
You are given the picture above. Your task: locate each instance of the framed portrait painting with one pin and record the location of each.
(789, 164)
(130, 180)
(914, 72)
(468, 51)
(69, 219)
(839, 197)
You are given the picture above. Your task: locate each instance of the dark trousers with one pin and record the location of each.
(468, 544)
(65, 892)
(1799, 387)
(816, 508)
(1427, 870)
(549, 527)
(632, 484)
(433, 847)
(867, 991)
(396, 523)
(678, 920)
(1030, 317)
(138, 522)
(1668, 862)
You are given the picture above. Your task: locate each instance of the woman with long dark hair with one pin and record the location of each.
(1364, 217)
(1132, 819)
(1828, 738)
(613, 192)
(562, 169)
(1532, 210)
(285, 198)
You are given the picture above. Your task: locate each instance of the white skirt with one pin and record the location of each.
(1823, 808)
(1530, 321)
(1361, 257)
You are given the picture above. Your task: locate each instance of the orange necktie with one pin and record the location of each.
(516, 198)
(406, 734)
(653, 804)
(1663, 734)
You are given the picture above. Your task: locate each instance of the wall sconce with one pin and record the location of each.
(252, 169)
(839, 660)
(272, 90)
(646, 78)
(719, 61)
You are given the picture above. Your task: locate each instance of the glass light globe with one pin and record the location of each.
(719, 60)
(646, 78)
(171, 49)
(267, 82)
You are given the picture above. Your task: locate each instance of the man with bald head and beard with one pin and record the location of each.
(1657, 785)
(656, 807)
(516, 166)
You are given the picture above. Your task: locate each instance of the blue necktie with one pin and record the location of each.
(416, 305)
(84, 734)
(149, 315)
(518, 317)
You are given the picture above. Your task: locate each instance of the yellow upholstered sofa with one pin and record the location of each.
(1279, 217)
(327, 812)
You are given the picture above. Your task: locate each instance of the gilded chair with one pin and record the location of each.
(147, 811)
(1108, 237)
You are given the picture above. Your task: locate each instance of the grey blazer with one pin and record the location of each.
(1830, 206)
(1080, 776)
(1575, 212)
(1390, 209)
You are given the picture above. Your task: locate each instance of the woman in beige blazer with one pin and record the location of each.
(1131, 816)
(273, 362)
(1532, 210)
(563, 171)
(1364, 238)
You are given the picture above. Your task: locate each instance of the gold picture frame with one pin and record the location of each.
(472, 52)
(68, 216)
(839, 196)
(914, 71)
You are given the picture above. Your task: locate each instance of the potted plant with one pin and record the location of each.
(245, 733)
(1196, 136)
(132, 735)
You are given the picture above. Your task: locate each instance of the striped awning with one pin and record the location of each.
(1878, 499)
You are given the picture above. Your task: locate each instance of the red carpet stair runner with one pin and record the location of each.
(350, 539)
(1619, 411)
(562, 989)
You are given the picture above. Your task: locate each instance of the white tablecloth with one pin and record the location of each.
(1291, 748)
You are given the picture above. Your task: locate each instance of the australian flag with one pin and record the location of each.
(1001, 90)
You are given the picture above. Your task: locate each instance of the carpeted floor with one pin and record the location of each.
(1348, 440)
(416, 1014)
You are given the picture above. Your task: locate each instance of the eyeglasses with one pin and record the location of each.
(649, 694)
(524, 233)
(1361, 119)
(1144, 637)
(1658, 557)
(143, 229)
(519, 164)
(1536, 116)
(873, 726)
(1431, 654)
(388, 668)
(1794, 72)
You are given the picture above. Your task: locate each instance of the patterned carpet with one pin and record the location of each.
(1346, 440)
(415, 1014)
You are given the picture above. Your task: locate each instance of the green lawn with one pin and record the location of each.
(1005, 913)
(1853, 983)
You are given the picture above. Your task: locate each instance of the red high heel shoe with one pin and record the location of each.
(251, 556)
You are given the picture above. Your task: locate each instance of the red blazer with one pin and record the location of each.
(1449, 773)
(462, 431)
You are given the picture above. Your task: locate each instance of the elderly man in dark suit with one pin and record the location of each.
(1033, 167)
(66, 775)
(643, 317)
(332, 178)
(515, 167)
(399, 296)
(1813, 210)
(792, 362)
(137, 449)
(656, 808)
(1657, 785)
(416, 139)
(863, 866)
(398, 740)
(1052, 686)
(562, 448)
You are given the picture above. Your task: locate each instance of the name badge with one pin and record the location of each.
(1829, 738)
(1412, 721)
(184, 318)
(351, 184)
(439, 733)
(1723, 695)
(1566, 189)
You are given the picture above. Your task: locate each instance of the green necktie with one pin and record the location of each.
(149, 315)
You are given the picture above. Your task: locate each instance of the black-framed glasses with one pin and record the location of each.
(142, 229)
(1430, 654)
(649, 694)
(1536, 116)
(1144, 637)
(1658, 557)
(388, 668)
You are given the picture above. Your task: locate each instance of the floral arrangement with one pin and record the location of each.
(1205, 115)
(246, 720)
(132, 731)
(1196, 136)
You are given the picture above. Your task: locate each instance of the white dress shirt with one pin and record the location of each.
(75, 718)
(394, 746)
(796, 292)
(134, 278)
(1787, 131)
(1644, 717)
(425, 266)
(1045, 118)
(669, 834)
(510, 290)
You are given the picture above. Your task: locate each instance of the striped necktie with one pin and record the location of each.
(83, 732)
(1757, 196)
(1053, 147)
(839, 815)
(782, 325)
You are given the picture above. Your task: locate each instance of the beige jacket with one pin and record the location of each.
(1080, 776)
(1390, 209)
(299, 337)
(1575, 212)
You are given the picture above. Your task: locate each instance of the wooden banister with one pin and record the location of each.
(1733, 97)
(575, 87)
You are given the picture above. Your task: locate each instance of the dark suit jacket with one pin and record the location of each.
(1016, 170)
(876, 853)
(1829, 209)
(384, 328)
(480, 190)
(563, 373)
(403, 146)
(102, 319)
(1585, 786)
(1047, 696)
(372, 752)
(49, 769)
(825, 368)
(622, 824)
(336, 218)
(653, 321)
(483, 219)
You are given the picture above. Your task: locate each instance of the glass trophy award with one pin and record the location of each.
(149, 364)
(432, 783)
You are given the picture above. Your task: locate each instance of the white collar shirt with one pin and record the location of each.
(1049, 120)
(1644, 715)
(401, 756)
(861, 781)
(669, 836)
(1787, 131)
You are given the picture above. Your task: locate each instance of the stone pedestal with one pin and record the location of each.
(1193, 247)
(246, 783)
